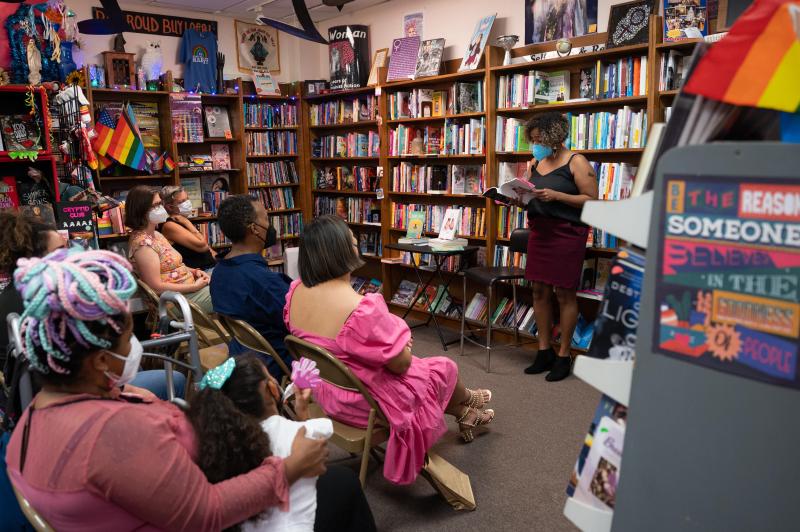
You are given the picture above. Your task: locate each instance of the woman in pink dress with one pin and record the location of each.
(414, 393)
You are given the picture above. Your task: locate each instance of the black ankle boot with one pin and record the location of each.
(560, 370)
(543, 362)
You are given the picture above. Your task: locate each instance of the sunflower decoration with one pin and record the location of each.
(76, 78)
(724, 342)
(5, 79)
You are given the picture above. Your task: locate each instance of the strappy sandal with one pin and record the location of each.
(482, 417)
(477, 398)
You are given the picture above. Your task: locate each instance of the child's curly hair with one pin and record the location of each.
(21, 237)
(552, 126)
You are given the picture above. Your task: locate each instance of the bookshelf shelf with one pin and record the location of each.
(106, 92)
(557, 62)
(369, 225)
(668, 94)
(432, 195)
(590, 104)
(272, 156)
(115, 236)
(346, 125)
(596, 250)
(342, 159)
(435, 157)
(366, 193)
(339, 94)
(685, 43)
(187, 173)
(617, 151)
(276, 128)
(135, 177)
(202, 219)
(269, 97)
(435, 118)
(222, 99)
(283, 211)
(432, 234)
(274, 186)
(442, 78)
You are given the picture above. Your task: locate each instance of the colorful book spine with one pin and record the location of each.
(271, 143)
(271, 173)
(258, 114)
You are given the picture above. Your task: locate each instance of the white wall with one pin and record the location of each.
(452, 19)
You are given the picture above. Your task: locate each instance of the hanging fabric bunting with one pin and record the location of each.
(758, 63)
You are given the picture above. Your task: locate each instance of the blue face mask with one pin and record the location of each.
(541, 152)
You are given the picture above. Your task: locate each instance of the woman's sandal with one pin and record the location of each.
(477, 398)
(482, 417)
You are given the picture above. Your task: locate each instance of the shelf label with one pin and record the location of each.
(729, 270)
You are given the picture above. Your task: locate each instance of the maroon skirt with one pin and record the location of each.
(556, 249)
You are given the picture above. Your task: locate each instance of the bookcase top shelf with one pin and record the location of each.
(269, 97)
(570, 60)
(133, 94)
(436, 118)
(208, 139)
(436, 157)
(344, 192)
(342, 159)
(683, 43)
(434, 195)
(135, 177)
(347, 125)
(617, 151)
(468, 75)
(187, 173)
(272, 156)
(274, 128)
(339, 94)
(567, 106)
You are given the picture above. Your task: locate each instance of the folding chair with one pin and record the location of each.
(251, 339)
(212, 339)
(352, 439)
(36, 520)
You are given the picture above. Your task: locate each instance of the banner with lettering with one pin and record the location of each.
(729, 269)
(157, 24)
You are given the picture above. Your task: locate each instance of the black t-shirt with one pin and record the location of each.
(193, 259)
(561, 180)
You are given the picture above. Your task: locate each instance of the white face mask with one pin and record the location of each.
(131, 364)
(158, 215)
(185, 208)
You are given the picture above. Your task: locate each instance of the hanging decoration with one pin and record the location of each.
(307, 30)
(113, 22)
(39, 42)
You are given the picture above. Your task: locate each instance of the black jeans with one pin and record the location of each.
(341, 504)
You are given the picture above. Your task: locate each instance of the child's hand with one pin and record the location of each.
(301, 400)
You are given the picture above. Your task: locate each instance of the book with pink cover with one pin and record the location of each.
(220, 157)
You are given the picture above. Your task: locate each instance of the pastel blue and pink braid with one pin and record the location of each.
(64, 291)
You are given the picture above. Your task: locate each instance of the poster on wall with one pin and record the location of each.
(728, 275)
(257, 47)
(549, 20)
(348, 53)
(413, 25)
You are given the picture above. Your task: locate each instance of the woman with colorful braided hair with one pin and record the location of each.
(88, 457)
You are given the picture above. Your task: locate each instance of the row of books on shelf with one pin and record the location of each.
(434, 299)
(212, 200)
(510, 217)
(187, 113)
(207, 191)
(370, 243)
(504, 314)
(510, 135)
(343, 111)
(460, 98)
(349, 145)
(271, 142)
(439, 179)
(503, 256)
(455, 138)
(262, 114)
(614, 180)
(271, 173)
(532, 87)
(212, 233)
(357, 178)
(353, 210)
(275, 198)
(287, 225)
(365, 286)
(472, 219)
(672, 70)
(601, 239)
(624, 128)
(219, 158)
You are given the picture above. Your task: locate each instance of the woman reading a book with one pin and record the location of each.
(563, 182)
(414, 393)
(182, 233)
(155, 260)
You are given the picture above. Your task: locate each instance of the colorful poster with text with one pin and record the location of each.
(729, 268)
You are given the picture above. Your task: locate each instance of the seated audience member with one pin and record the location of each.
(89, 458)
(182, 233)
(155, 260)
(243, 287)
(24, 237)
(414, 393)
(238, 405)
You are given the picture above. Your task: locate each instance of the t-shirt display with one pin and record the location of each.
(198, 52)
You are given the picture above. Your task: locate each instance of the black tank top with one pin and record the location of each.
(560, 180)
(194, 259)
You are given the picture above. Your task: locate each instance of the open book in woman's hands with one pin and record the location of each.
(514, 189)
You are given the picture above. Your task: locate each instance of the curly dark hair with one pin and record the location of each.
(235, 214)
(552, 126)
(138, 203)
(21, 237)
(226, 421)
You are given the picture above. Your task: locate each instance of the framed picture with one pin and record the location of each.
(550, 20)
(264, 83)
(257, 47)
(378, 61)
(429, 61)
(629, 23)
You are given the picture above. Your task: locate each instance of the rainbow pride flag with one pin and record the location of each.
(758, 63)
(126, 145)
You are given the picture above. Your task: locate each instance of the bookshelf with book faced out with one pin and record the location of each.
(217, 144)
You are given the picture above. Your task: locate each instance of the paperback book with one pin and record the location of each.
(403, 59)
(218, 122)
(405, 293)
(429, 61)
(21, 133)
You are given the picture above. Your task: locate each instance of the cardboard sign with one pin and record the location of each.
(75, 216)
(729, 270)
(157, 24)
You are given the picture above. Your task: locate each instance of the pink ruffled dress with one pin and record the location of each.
(414, 402)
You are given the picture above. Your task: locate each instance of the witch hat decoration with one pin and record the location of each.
(113, 23)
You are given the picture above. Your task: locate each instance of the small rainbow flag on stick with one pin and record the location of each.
(758, 63)
(164, 163)
(126, 145)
